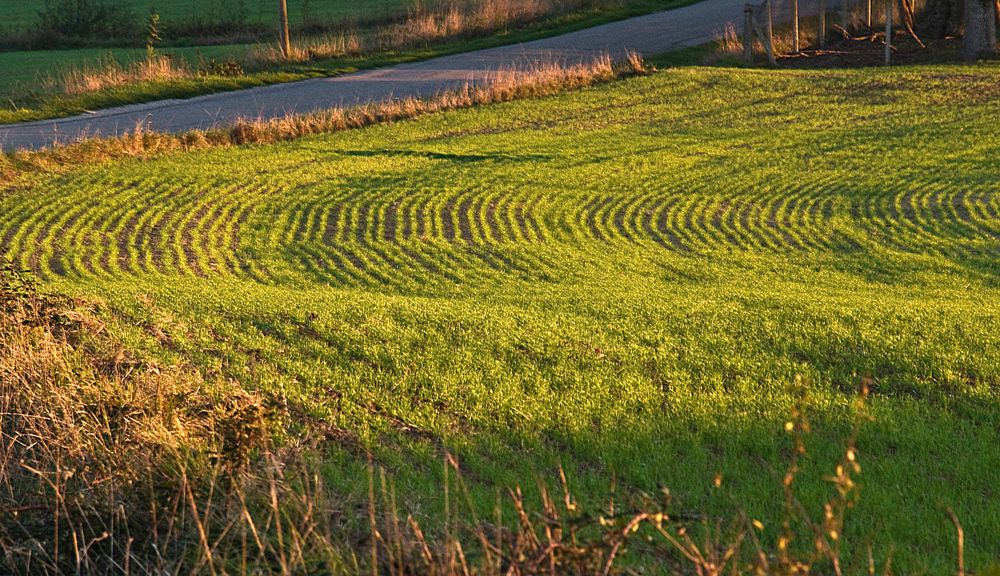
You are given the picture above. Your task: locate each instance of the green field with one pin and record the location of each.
(23, 14)
(624, 280)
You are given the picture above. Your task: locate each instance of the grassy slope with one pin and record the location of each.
(625, 280)
(21, 100)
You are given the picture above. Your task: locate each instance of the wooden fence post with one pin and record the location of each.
(283, 37)
(888, 32)
(748, 34)
(795, 26)
(868, 21)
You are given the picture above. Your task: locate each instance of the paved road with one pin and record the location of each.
(651, 34)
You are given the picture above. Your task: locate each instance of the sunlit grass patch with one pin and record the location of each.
(622, 281)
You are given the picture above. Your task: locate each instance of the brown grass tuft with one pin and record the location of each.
(109, 73)
(82, 422)
(729, 42)
(424, 25)
(451, 19)
(316, 48)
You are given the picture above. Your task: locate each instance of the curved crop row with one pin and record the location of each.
(410, 237)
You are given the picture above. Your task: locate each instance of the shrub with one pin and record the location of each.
(87, 19)
(229, 67)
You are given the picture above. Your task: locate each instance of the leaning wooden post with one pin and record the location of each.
(748, 34)
(888, 32)
(770, 36)
(822, 24)
(795, 26)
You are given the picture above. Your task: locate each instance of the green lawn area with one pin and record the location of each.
(624, 280)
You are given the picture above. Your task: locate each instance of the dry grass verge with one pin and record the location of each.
(503, 86)
(113, 465)
(86, 428)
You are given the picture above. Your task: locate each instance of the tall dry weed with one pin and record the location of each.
(424, 25)
(109, 73)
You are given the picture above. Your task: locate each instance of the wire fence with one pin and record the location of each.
(849, 14)
(813, 22)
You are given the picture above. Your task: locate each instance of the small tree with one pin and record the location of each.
(152, 33)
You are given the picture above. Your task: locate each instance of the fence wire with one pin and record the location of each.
(852, 15)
